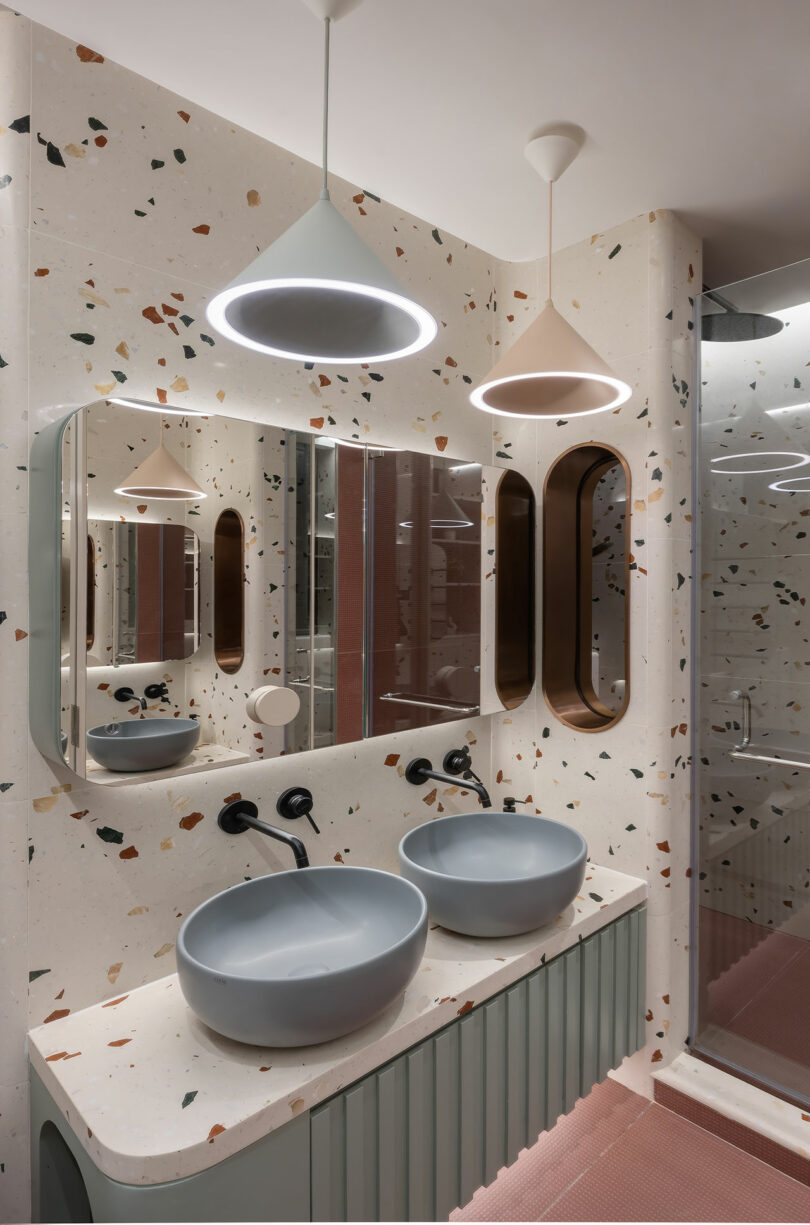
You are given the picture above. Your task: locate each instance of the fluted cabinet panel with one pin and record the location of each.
(415, 1139)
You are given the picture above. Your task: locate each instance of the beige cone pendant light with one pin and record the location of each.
(161, 477)
(550, 371)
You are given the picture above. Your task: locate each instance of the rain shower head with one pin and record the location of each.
(732, 325)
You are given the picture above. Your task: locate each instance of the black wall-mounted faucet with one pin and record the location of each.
(240, 815)
(128, 695)
(421, 769)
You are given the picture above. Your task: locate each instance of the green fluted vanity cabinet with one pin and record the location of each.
(268, 1181)
(416, 1137)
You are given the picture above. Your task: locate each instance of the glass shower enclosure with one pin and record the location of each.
(751, 861)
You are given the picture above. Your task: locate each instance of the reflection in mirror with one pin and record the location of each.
(66, 593)
(229, 591)
(90, 635)
(586, 610)
(608, 578)
(424, 590)
(146, 582)
(214, 611)
(300, 632)
(514, 584)
(326, 511)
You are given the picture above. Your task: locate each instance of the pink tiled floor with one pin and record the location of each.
(618, 1157)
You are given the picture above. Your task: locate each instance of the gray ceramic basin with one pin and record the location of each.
(301, 957)
(494, 873)
(142, 744)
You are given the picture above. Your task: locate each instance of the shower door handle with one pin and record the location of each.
(790, 762)
(741, 696)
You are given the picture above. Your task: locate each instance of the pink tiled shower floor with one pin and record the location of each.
(619, 1157)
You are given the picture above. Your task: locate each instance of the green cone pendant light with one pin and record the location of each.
(550, 371)
(318, 293)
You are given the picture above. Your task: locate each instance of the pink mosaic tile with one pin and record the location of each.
(543, 1173)
(753, 1142)
(626, 1159)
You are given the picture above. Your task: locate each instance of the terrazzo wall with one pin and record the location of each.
(122, 208)
(125, 209)
(627, 788)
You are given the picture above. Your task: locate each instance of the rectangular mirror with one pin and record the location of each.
(248, 591)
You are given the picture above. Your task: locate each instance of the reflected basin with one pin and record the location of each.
(142, 744)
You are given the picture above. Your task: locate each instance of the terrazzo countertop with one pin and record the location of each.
(153, 1095)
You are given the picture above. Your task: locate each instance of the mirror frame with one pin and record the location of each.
(567, 613)
(44, 561)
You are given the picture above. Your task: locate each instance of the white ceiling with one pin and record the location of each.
(701, 106)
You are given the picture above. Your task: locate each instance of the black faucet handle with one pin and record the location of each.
(509, 802)
(159, 690)
(296, 802)
(457, 761)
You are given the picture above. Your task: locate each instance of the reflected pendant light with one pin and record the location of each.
(550, 371)
(318, 293)
(445, 512)
(160, 477)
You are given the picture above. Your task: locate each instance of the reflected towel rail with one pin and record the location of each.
(416, 699)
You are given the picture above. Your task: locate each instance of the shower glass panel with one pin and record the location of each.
(751, 868)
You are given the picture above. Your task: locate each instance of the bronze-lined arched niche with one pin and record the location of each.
(514, 589)
(586, 606)
(229, 591)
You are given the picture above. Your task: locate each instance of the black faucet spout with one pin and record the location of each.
(295, 844)
(240, 815)
(420, 770)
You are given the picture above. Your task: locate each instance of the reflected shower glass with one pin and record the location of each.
(425, 590)
(146, 592)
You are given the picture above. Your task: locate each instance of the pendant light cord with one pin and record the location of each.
(550, 185)
(324, 158)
